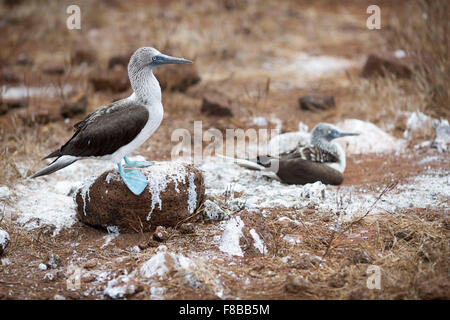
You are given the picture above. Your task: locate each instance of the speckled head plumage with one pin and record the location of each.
(327, 132)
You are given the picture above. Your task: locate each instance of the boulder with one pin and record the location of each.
(75, 103)
(316, 102)
(4, 241)
(176, 77)
(247, 233)
(216, 104)
(174, 192)
(380, 66)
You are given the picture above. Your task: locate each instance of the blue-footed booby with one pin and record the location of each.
(112, 132)
(320, 160)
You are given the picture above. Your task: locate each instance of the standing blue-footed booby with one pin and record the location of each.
(112, 132)
(321, 160)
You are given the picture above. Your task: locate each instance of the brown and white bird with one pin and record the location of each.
(320, 160)
(112, 132)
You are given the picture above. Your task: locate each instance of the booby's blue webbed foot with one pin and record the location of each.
(133, 179)
(137, 164)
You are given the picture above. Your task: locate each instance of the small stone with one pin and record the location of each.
(161, 234)
(213, 211)
(186, 228)
(24, 60)
(42, 266)
(317, 102)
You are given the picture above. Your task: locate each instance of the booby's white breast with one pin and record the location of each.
(156, 113)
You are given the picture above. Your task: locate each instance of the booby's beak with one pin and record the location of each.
(345, 134)
(161, 59)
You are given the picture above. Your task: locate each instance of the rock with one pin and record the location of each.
(24, 60)
(177, 78)
(216, 104)
(83, 56)
(75, 103)
(380, 66)
(316, 102)
(54, 69)
(174, 192)
(161, 234)
(115, 80)
(4, 241)
(186, 228)
(247, 233)
(122, 287)
(213, 211)
(167, 265)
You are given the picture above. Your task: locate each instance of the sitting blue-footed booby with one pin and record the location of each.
(113, 131)
(320, 160)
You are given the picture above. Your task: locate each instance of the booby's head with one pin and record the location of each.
(148, 57)
(327, 132)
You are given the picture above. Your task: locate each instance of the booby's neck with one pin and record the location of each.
(145, 86)
(334, 149)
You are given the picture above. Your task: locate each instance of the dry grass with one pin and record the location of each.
(423, 29)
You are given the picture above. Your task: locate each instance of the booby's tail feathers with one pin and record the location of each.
(244, 163)
(56, 165)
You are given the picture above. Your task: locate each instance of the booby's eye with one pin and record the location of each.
(154, 58)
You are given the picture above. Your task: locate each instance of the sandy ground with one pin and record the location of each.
(391, 211)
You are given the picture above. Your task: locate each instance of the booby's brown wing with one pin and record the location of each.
(105, 130)
(311, 153)
(308, 153)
